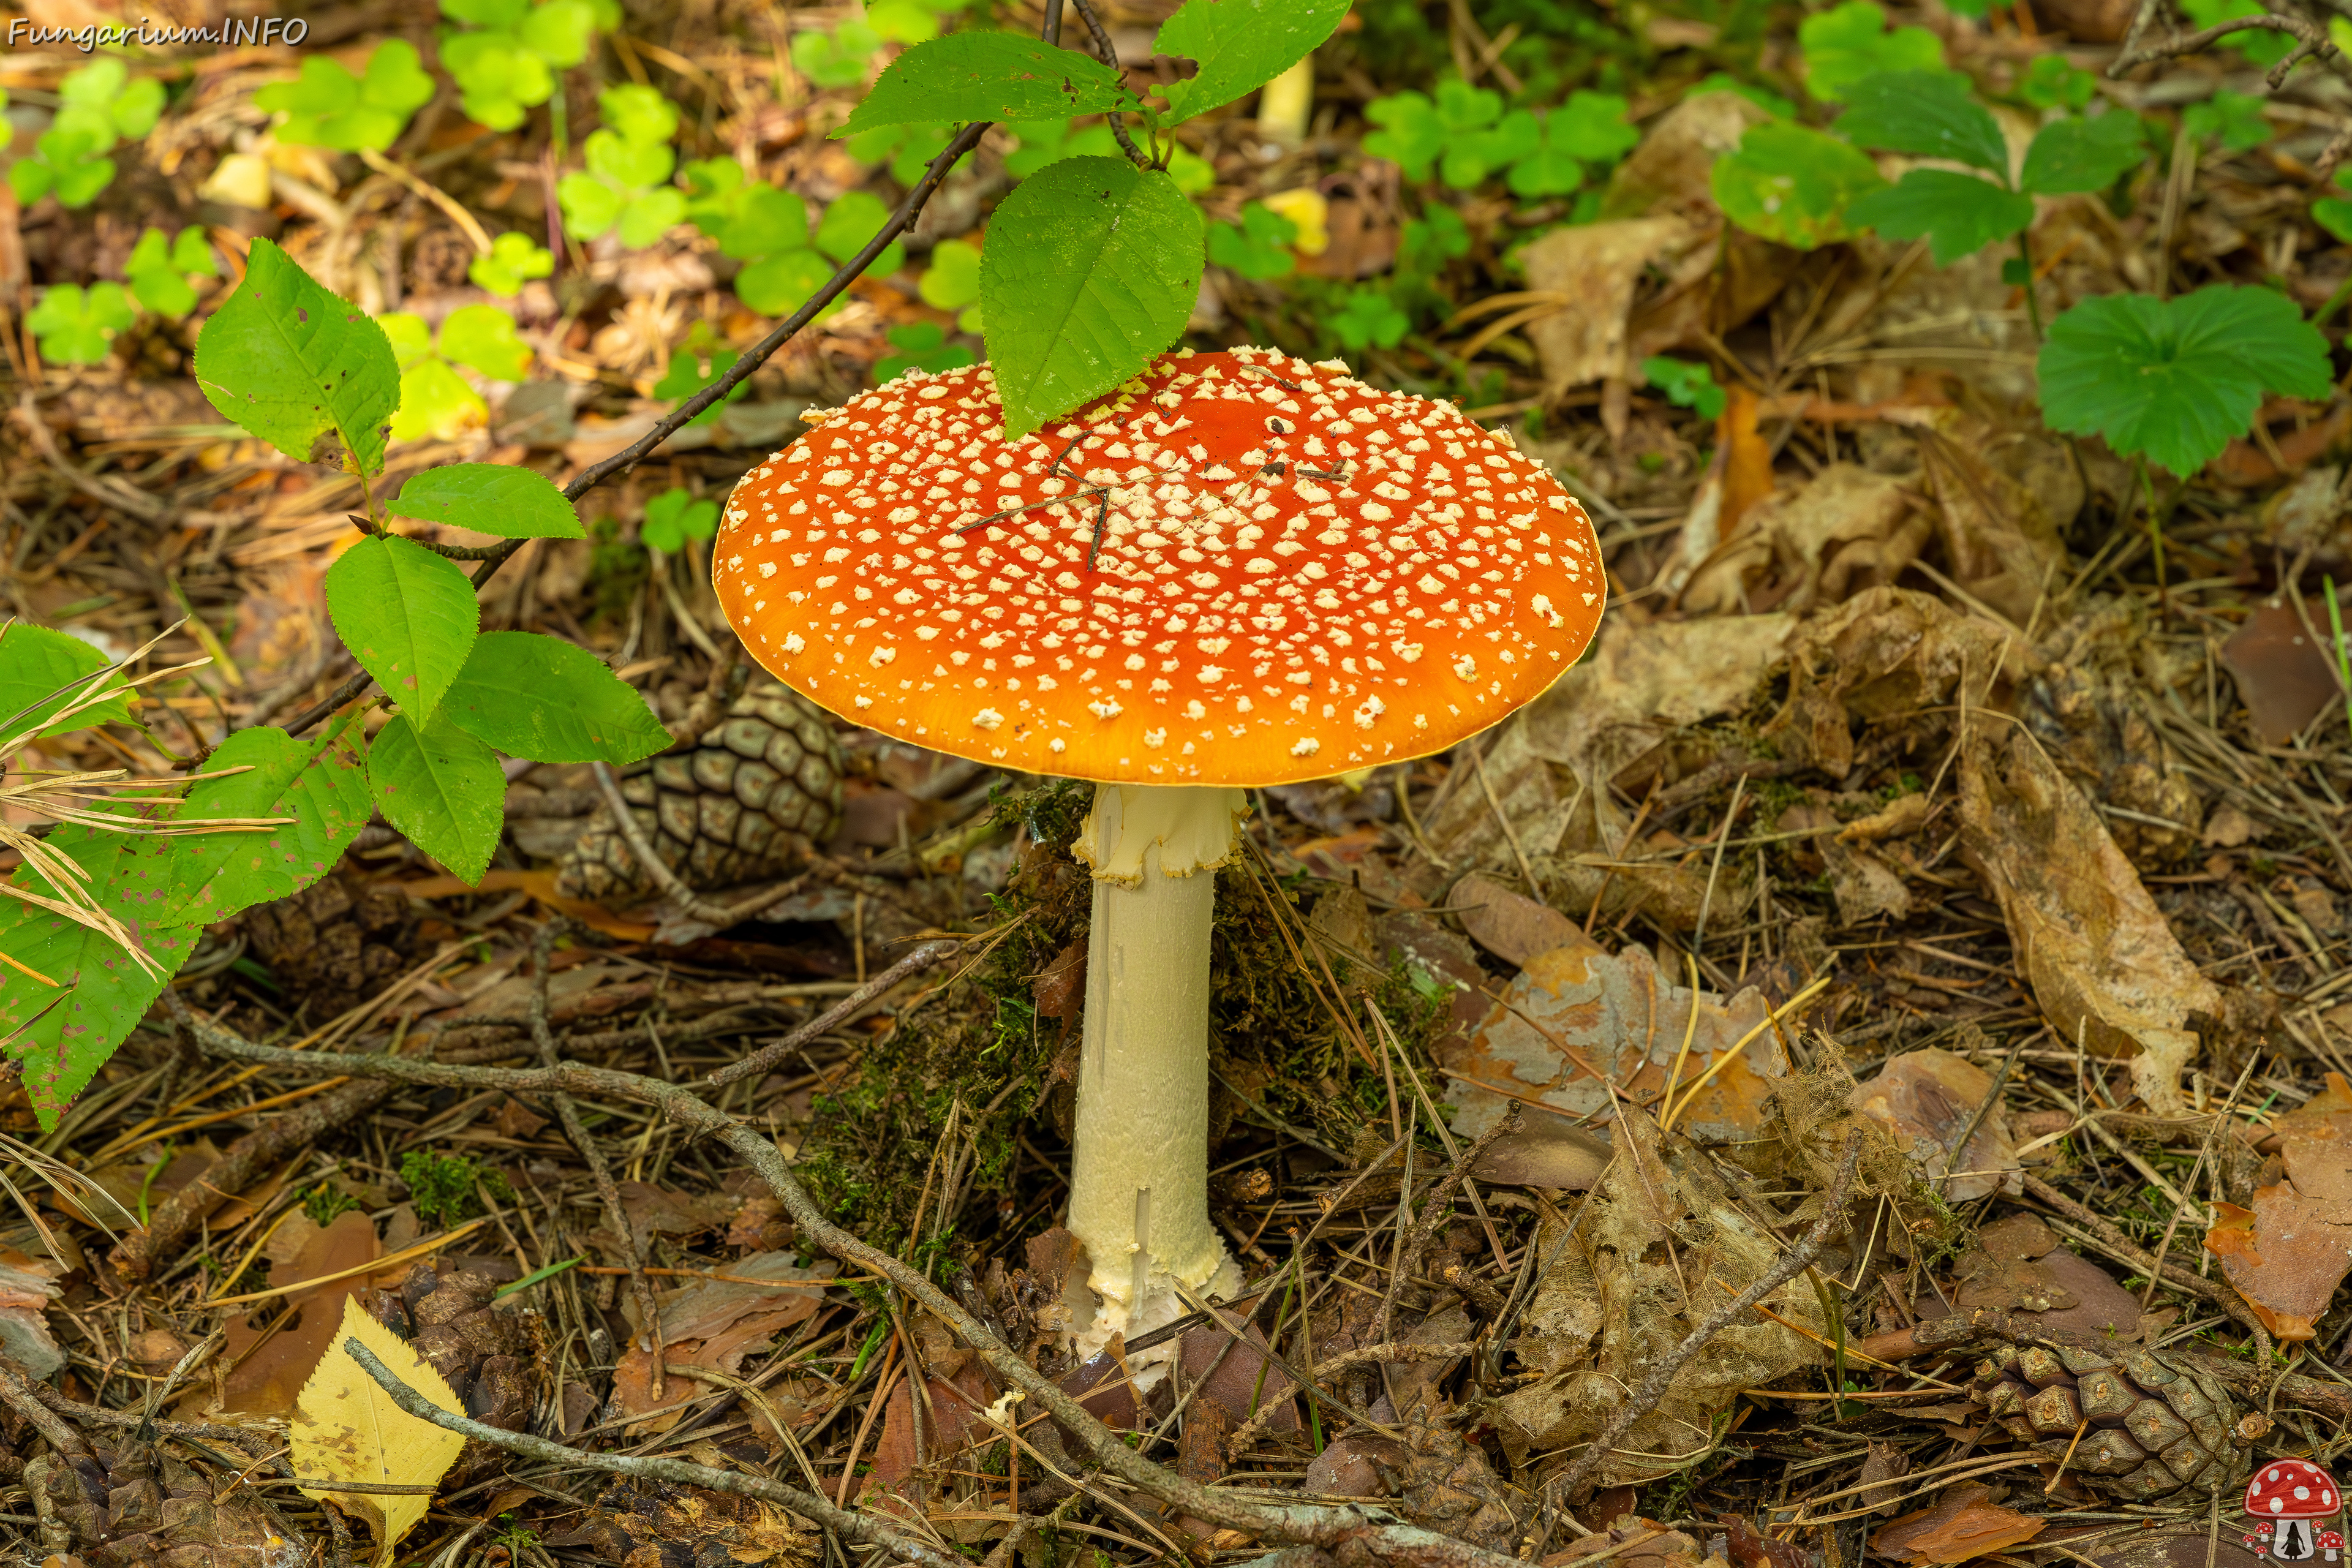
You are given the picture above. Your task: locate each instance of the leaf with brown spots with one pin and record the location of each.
(347, 1428)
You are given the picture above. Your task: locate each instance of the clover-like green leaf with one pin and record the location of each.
(674, 516)
(436, 404)
(1258, 246)
(442, 789)
(483, 338)
(2177, 379)
(489, 498)
(514, 257)
(2235, 120)
(408, 616)
(292, 364)
(1846, 43)
(779, 285)
(327, 106)
(1958, 214)
(1091, 269)
(77, 325)
(547, 700)
(1239, 46)
(1686, 384)
(767, 222)
(1792, 184)
(853, 218)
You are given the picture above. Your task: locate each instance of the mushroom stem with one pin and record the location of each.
(1140, 1171)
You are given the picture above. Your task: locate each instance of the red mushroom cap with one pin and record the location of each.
(2291, 1488)
(1239, 569)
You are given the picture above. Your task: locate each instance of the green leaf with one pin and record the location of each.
(1792, 184)
(155, 281)
(1241, 45)
(1410, 135)
(76, 326)
(1092, 269)
(1259, 246)
(2177, 379)
(2334, 214)
(673, 517)
(1592, 127)
(436, 402)
(546, 699)
(1927, 114)
(854, 217)
(321, 783)
(628, 165)
(1685, 384)
(137, 107)
(1849, 42)
(441, 788)
(637, 114)
(1960, 214)
(558, 32)
(715, 190)
(489, 497)
(2054, 81)
(514, 257)
(651, 215)
(836, 58)
(952, 280)
(408, 616)
(483, 338)
(327, 106)
(33, 663)
(985, 76)
(1369, 317)
(411, 339)
(903, 21)
(699, 362)
(292, 364)
(2077, 154)
(591, 206)
(2261, 46)
(779, 285)
(61, 1036)
(499, 78)
(768, 222)
(923, 346)
(2235, 120)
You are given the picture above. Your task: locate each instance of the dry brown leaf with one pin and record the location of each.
(274, 1355)
(346, 1429)
(2001, 498)
(28, 1285)
(2282, 675)
(2315, 1142)
(1961, 1525)
(1928, 1098)
(2286, 1256)
(2016, 1265)
(1576, 1020)
(1597, 267)
(2103, 962)
(715, 1323)
(1846, 530)
(1507, 923)
(1883, 654)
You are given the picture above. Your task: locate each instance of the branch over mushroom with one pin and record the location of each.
(1239, 570)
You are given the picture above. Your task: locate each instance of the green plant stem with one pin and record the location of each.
(2335, 302)
(2343, 655)
(2033, 299)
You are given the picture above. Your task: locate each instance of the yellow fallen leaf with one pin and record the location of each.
(346, 1429)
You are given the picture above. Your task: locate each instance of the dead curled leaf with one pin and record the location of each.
(346, 1429)
(1928, 1098)
(1576, 1020)
(1960, 1525)
(2100, 958)
(2286, 1256)
(1844, 529)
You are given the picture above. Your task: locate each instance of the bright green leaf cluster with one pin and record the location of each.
(1685, 384)
(1846, 43)
(76, 325)
(629, 158)
(951, 282)
(1367, 318)
(673, 517)
(160, 271)
(434, 400)
(697, 362)
(514, 258)
(99, 105)
(2261, 45)
(327, 106)
(2052, 81)
(1258, 246)
(2175, 380)
(2234, 119)
(506, 63)
(1465, 135)
(836, 58)
(787, 260)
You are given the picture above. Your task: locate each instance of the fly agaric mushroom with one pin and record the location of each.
(2291, 1492)
(1239, 569)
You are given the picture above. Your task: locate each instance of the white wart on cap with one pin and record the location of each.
(1240, 569)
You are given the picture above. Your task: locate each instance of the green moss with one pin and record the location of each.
(441, 1188)
(325, 1201)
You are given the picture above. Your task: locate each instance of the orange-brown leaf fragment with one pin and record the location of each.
(2286, 1256)
(1959, 1526)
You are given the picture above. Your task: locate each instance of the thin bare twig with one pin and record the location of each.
(1653, 1388)
(929, 956)
(1435, 1205)
(1109, 53)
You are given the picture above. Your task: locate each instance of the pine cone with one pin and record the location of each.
(334, 943)
(740, 806)
(2157, 1423)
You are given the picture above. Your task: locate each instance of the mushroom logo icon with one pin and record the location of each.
(2290, 1501)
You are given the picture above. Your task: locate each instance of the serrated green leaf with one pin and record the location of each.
(1927, 114)
(489, 498)
(2075, 154)
(61, 1035)
(408, 616)
(292, 364)
(1092, 270)
(1241, 45)
(320, 782)
(443, 789)
(2177, 379)
(1849, 42)
(985, 77)
(483, 337)
(1958, 214)
(1792, 184)
(544, 699)
(34, 661)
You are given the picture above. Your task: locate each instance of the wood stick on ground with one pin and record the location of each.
(1435, 1205)
(1661, 1376)
(2129, 1251)
(542, 949)
(929, 956)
